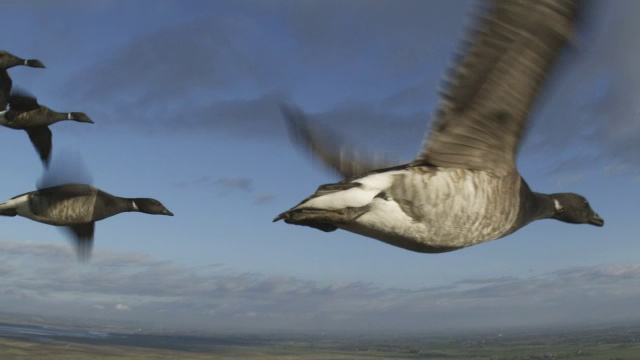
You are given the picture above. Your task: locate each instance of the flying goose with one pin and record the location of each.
(26, 114)
(8, 60)
(78, 207)
(463, 188)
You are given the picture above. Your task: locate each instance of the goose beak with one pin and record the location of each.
(167, 212)
(596, 220)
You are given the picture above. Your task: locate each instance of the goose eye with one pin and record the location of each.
(586, 203)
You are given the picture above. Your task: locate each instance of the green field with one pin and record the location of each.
(601, 344)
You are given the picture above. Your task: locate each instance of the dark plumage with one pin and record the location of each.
(7, 61)
(463, 188)
(78, 207)
(26, 114)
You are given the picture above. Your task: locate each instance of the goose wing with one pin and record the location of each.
(487, 100)
(21, 100)
(41, 139)
(82, 235)
(346, 160)
(68, 190)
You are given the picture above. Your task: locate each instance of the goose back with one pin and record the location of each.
(62, 205)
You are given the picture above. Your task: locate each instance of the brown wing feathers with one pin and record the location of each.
(484, 109)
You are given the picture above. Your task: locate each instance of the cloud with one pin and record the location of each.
(228, 185)
(122, 307)
(264, 198)
(568, 179)
(216, 298)
(236, 183)
(217, 71)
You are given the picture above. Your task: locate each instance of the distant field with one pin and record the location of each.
(605, 344)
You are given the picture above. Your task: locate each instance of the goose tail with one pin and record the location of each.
(316, 218)
(8, 212)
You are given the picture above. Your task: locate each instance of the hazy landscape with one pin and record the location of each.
(30, 338)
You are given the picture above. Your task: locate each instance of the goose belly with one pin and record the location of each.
(76, 210)
(441, 211)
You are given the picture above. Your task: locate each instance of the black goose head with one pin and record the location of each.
(575, 209)
(80, 117)
(151, 206)
(8, 60)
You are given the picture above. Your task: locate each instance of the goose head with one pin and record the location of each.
(79, 117)
(8, 60)
(150, 206)
(575, 209)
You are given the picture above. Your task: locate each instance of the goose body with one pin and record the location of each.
(424, 209)
(78, 207)
(463, 188)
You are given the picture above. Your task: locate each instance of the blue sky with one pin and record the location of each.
(184, 97)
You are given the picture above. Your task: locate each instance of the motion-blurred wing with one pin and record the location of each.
(83, 239)
(337, 155)
(68, 191)
(21, 100)
(65, 167)
(41, 139)
(487, 100)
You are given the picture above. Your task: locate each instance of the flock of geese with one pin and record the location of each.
(74, 206)
(462, 189)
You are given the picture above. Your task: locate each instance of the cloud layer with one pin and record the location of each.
(149, 292)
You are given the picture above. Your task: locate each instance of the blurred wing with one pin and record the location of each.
(339, 156)
(82, 239)
(65, 167)
(484, 109)
(21, 100)
(41, 138)
(68, 191)
(5, 89)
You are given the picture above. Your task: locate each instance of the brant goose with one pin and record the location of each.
(26, 114)
(463, 188)
(78, 207)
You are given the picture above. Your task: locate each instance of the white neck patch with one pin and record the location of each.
(26, 62)
(135, 207)
(557, 205)
(69, 117)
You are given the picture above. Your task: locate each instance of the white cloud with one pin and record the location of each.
(217, 298)
(122, 307)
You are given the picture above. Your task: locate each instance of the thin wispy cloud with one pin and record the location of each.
(264, 198)
(234, 184)
(228, 186)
